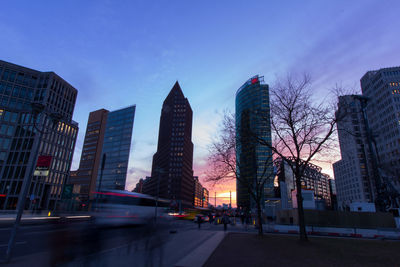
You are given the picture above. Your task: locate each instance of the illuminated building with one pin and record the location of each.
(205, 198)
(254, 160)
(19, 88)
(172, 172)
(198, 192)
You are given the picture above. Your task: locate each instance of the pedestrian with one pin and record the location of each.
(225, 221)
(199, 220)
(242, 217)
(248, 220)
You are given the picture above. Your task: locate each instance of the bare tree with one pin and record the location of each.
(301, 129)
(226, 166)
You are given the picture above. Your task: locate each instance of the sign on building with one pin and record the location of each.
(42, 166)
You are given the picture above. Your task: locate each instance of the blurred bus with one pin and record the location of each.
(117, 207)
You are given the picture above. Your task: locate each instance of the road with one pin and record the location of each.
(82, 244)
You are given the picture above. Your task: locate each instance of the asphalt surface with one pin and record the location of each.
(64, 243)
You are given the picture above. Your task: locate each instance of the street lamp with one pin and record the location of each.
(37, 109)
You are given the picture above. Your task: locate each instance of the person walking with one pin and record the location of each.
(225, 221)
(199, 220)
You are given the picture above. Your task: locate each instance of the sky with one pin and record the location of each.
(119, 53)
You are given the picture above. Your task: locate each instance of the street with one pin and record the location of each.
(83, 244)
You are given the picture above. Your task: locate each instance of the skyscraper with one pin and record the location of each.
(109, 134)
(382, 89)
(172, 172)
(91, 156)
(21, 136)
(254, 161)
(353, 173)
(116, 147)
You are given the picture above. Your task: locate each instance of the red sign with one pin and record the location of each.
(42, 166)
(44, 161)
(254, 80)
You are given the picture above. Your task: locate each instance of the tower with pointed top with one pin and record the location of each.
(172, 169)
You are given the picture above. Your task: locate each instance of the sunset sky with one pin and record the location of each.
(119, 53)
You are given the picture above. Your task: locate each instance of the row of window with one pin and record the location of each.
(21, 77)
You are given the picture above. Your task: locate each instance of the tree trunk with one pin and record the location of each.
(300, 210)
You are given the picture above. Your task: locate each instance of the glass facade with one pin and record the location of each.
(254, 161)
(116, 146)
(19, 139)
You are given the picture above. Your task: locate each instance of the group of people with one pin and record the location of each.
(225, 219)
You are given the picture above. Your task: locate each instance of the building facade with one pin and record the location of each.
(86, 175)
(198, 193)
(353, 173)
(382, 89)
(116, 147)
(205, 198)
(254, 161)
(313, 179)
(108, 136)
(172, 171)
(22, 138)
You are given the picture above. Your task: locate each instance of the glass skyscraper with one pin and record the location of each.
(116, 146)
(254, 161)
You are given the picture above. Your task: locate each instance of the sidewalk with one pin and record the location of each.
(199, 256)
(242, 249)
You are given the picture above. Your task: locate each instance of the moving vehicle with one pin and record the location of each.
(117, 207)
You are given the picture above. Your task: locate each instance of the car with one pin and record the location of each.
(204, 218)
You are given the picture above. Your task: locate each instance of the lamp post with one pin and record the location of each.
(37, 109)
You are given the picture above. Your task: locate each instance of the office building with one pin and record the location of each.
(198, 193)
(382, 90)
(254, 161)
(354, 172)
(86, 175)
(172, 172)
(139, 186)
(312, 180)
(205, 198)
(116, 147)
(23, 90)
(108, 136)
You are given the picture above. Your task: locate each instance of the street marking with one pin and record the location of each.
(16, 243)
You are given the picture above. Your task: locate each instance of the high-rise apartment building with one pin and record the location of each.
(172, 172)
(22, 138)
(254, 161)
(108, 136)
(382, 90)
(354, 176)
